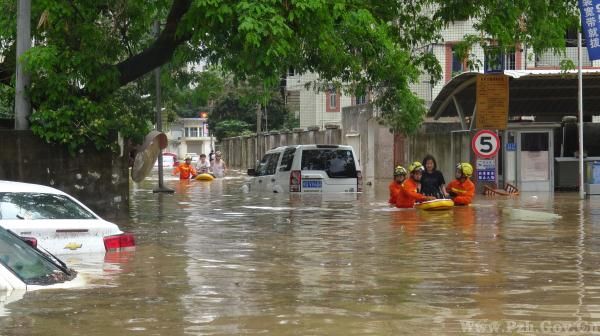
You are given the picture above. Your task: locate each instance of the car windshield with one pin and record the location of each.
(40, 206)
(29, 264)
(337, 163)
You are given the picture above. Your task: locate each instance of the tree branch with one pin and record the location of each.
(161, 51)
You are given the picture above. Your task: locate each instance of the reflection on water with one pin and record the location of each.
(212, 260)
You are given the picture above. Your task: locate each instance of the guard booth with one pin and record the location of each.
(527, 156)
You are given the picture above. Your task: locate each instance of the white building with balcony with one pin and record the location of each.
(189, 135)
(315, 108)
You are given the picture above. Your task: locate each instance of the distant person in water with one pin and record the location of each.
(432, 181)
(203, 166)
(219, 168)
(462, 189)
(185, 170)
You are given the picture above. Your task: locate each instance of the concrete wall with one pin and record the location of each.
(100, 180)
(241, 152)
(443, 142)
(373, 142)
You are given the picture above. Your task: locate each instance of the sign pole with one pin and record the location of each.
(580, 105)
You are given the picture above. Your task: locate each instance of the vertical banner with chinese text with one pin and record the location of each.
(590, 22)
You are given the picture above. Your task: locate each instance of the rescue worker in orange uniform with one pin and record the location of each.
(461, 190)
(399, 177)
(409, 194)
(186, 171)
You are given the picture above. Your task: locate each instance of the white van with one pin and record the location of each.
(308, 168)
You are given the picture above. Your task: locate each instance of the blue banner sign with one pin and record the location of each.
(511, 147)
(486, 175)
(590, 21)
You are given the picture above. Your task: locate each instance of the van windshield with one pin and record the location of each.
(337, 163)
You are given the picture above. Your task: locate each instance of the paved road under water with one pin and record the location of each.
(212, 260)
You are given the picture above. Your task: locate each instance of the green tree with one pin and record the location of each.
(90, 58)
(235, 113)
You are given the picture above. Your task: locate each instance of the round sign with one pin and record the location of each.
(485, 144)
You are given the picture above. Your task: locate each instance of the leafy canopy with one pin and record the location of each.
(91, 59)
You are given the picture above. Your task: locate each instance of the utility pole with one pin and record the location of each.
(22, 105)
(580, 110)
(258, 130)
(161, 187)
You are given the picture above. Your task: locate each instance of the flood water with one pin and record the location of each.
(212, 260)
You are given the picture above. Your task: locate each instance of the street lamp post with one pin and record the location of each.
(161, 188)
(22, 105)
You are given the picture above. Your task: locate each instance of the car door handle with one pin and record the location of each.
(259, 181)
(273, 180)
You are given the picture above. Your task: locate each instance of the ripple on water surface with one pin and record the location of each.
(212, 260)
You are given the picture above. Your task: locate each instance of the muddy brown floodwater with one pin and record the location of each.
(212, 260)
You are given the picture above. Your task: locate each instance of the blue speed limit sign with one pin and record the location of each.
(485, 144)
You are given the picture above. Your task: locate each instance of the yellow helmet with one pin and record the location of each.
(465, 168)
(399, 170)
(415, 166)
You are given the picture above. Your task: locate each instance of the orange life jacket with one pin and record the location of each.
(462, 191)
(408, 194)
(185, 171)
(394, 190)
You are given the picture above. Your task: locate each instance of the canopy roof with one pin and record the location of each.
(546, 94)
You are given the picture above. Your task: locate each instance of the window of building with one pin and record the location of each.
(571, 38)
(204, 129)
(458, 64)
(332, 100)
(332, 103)
(194, 132)
(361, 100)
(498, 61)
(291, 71)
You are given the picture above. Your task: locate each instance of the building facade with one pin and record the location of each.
(189, 135)
(313, 107)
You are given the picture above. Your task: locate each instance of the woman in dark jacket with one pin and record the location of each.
(432, 181)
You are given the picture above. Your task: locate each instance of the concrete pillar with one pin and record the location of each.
(330, 134)
(274, 139)
(297, 136)
(312, 137)
(283, 138)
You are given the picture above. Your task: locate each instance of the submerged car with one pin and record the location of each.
(308, 169)
(169, 161)
(23, 267)
(56, 221)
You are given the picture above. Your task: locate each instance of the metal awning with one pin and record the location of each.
(546, 94)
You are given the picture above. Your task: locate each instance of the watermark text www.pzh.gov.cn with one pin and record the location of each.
(530, 327)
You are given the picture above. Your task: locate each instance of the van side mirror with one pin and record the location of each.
(251, 172)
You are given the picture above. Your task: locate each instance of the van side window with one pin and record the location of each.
(268, 164)
(287, 159)
(337, 163)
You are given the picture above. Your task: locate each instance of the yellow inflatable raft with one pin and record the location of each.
(205, 177)
(438, 204)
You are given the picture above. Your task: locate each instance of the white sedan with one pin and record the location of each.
(23, 267)
(57, 222)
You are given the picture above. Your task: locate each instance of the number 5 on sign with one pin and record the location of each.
(485, 144)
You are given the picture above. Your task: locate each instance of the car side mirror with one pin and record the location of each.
(251, 172)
